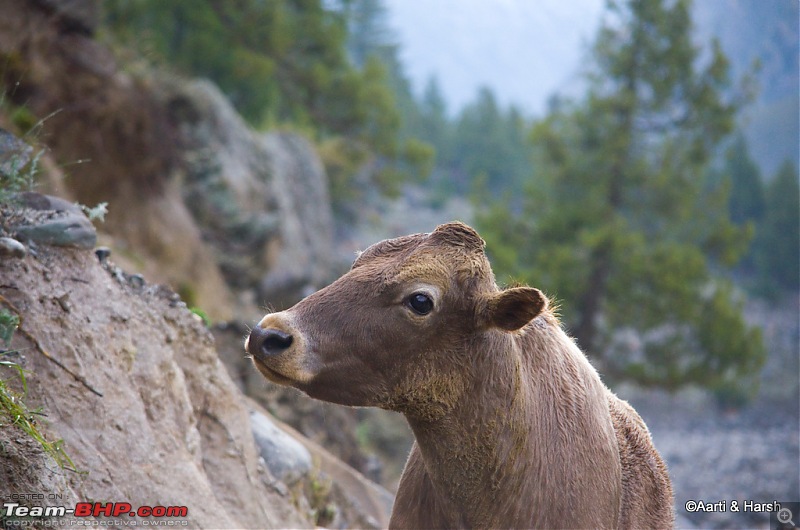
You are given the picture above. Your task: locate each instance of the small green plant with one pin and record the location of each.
(318, 493)
(8, 325)
(23, 119)
(12, 405)
(14, 409)
(18, 174)
(203, 316)
(98, 213)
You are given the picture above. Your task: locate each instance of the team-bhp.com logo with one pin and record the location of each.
(15, 514)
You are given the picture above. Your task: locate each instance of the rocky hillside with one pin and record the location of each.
(231, 219)
(228, 216)
(130, 382)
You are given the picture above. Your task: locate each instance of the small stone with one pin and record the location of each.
(287, 459)
(67, 231)
(136, 281)
(11, 248)
(63, 302)
(118, 275)
(102, 254)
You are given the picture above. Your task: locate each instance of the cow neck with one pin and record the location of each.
(469, 451)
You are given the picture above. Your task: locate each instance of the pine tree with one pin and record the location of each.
(369, 34)
(433, 125)
(489, 145)
(741, 176)
(746, 201)
(777, 245)
(618, 221)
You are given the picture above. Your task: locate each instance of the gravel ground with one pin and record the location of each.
(750, 455)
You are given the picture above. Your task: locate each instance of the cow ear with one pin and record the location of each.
(511, 309)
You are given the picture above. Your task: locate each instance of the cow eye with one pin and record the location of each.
(420, 303)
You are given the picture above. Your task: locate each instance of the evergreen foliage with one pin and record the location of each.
(274, 60)
(489, 144)
(433, 122)
(619, 221)
(287, 61)
(746, 196)
(746, 202)
(369, 35)
(484, 147)
(777, 244)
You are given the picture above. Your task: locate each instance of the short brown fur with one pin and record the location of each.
(513, 426)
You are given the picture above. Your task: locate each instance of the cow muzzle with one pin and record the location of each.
(278, 350)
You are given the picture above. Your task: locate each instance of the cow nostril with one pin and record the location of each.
(276, 341)
(267, 342)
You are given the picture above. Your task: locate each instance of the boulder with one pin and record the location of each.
(54, 221)
(287, 459)
(226, 175)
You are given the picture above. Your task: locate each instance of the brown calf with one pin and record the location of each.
(513, 427)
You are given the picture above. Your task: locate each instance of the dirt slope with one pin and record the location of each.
(170, 427)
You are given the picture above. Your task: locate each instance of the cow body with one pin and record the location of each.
(513, 426)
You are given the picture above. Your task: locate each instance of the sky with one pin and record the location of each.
(524, 50)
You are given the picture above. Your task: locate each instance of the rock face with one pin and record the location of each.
(261, 200)
(226, 177)
(132, 384)
(303, 251)
(114, 136)
(195, 197)
(170, 427)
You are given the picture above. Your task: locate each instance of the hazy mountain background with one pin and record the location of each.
(524, 51)
(527, 51)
